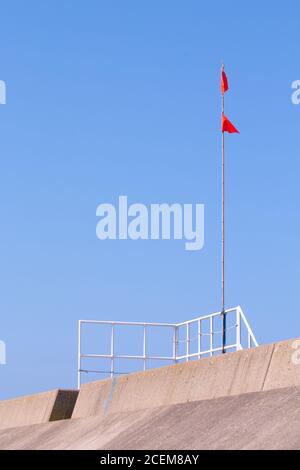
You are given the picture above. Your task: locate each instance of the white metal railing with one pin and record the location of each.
(190, 340)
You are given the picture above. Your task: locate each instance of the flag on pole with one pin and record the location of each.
(224, 82)
(227, 126)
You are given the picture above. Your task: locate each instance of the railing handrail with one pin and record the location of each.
(134, 323)
(240, 320)
(205, 317)
(129, 323)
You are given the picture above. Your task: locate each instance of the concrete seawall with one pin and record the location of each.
(259, 420)
(254, 370)
(244, 400)
(260, 369)
(37, 408)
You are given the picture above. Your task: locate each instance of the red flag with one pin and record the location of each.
(224, 82)
(227, 126)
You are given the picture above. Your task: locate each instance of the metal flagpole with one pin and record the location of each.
(223, 231)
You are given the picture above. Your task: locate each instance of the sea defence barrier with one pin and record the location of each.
(37, 408)
(263, 368)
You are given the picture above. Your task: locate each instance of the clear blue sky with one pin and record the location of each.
(122, 97)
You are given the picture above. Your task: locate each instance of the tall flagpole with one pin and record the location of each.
(223, 232)
(227, 126)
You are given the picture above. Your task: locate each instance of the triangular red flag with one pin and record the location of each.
(224, 82)
(227, 126)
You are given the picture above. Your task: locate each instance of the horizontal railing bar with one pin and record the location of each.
(201, 353)
(90, 371)
(124, 323)
(109, 356)
(159, 358)
(215, 332)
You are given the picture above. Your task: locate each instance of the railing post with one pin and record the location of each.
(187, 341)
(145, 347)
(211, 331)
(238, 329)
(175, 341)
(112, 351)
(79, 356)
(199, 339)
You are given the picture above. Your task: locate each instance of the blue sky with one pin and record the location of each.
(122, 97)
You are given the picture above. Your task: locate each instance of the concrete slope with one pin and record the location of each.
(259, 420)
(252, 370)
(37, 408)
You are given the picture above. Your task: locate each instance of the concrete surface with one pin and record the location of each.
(244, 400)
(252, 370)
(284, 367)
(259, 420)
(37, 408)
